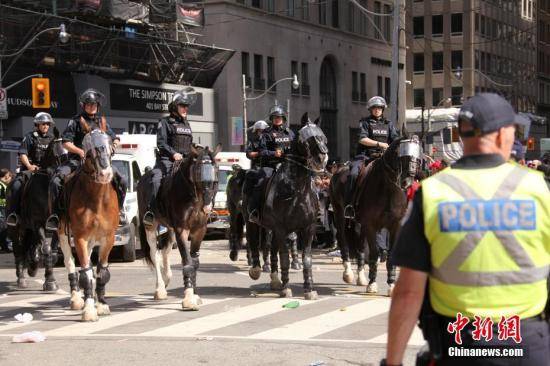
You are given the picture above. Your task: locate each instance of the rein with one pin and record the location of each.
(296, 162)
(396, 173)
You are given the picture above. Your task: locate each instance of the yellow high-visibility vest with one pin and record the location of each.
(489, 235)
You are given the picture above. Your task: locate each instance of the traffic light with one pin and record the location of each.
(531, 143)
(40, 93)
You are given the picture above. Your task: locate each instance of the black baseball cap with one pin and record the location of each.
(487, 112)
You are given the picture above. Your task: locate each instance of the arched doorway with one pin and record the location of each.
(328, 104)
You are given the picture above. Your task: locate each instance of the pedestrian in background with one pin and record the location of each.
(474, 251)
(5, 179)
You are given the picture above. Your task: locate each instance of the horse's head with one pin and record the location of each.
(55, 153)
(311, 144)
(204, 172)
(98, 149)
(404, 157)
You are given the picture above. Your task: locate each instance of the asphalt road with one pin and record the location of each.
(241, 321)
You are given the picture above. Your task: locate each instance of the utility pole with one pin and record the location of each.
(394, 93)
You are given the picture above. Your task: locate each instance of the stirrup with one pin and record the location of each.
(349, 212)
(148, 218)
(254, 217)
(52, 223)
(12, 219)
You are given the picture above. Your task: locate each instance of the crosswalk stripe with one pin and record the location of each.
(122, 319)
(326, 322)
(32, 302)
(417, 339)
(208, 323)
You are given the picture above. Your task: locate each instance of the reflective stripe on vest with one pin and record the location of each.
(464, 212)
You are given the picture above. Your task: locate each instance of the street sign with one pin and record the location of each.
(545, 144)
(3, 104)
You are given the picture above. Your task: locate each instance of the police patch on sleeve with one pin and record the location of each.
(490, 215)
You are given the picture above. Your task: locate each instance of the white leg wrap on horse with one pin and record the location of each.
(361, 278)
(276, 283)
(348, 273)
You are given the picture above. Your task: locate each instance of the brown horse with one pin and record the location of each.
(380, 203)
(185, 199)
(92, 218)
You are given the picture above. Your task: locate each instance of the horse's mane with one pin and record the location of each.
(86, 127)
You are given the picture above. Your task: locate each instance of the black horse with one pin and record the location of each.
(30, 244)
(185, 199)
(380, 203)
(291, 205)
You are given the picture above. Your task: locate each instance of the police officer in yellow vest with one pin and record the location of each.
(476, 241)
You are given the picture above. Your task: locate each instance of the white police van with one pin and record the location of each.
(134, 154)
(219, 220)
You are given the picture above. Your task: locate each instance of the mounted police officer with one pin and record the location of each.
(90, 103)
(275, 143)
(174, 141)
(375, 135)
(253, 144)
(474, 251)
(33, 149)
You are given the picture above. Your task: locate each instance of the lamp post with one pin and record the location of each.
(295, 85)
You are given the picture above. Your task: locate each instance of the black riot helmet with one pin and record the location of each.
(43, 117)
(91, 96)
(277, 111)
(186, 96)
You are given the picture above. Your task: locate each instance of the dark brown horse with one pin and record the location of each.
(291, 206)
(30, 244)
(185, 200)
(380, 203)
(92, 219)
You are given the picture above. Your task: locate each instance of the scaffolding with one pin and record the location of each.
(110, 47)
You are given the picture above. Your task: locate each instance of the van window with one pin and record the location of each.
(124, 169)
(222, 180)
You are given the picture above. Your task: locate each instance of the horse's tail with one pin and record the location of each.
(145, 247)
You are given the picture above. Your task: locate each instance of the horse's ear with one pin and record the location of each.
(405, 132)
(318, 121)
(55, 132)
(217, 149)
(194, 151)
(305, 119)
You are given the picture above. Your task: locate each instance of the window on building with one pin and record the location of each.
(294, 71)
(257, 3)
(387, 22)
(377, 20)
(290, 8)
(437, 62)
(351, 17)
(270, 71)
(380, 86)
(456, 59)
(259, 82)
(418, 27)
(363, 83)
(418, 63)
(305, 9)
(304, 82)
(387, 89)
(456, 95)
(354, 86)
(322, 12)
(271, 6)
(335, 14)
(527, 9)
(437, 96)
(418, 98)
(456, 24)
(477, 60)
(245, 66)
(476, 21)
(437, 25)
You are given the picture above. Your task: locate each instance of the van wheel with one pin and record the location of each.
(129, 249)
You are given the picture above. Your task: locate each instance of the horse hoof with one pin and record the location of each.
(255, 273)
(276, 284)
(348, 277)
(311, 295)
(296, 265)
(390, 289)
(287, 292)
(372, 288)
(266, 268)
(90, 315)
(234, 255)
(161, 294)
(50, 286)
(77, 303)
(32, 270)
(102, 309)
(361, 279)
(22, 283)
(191, 304)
